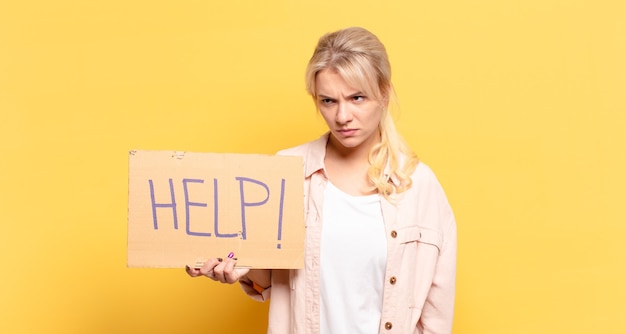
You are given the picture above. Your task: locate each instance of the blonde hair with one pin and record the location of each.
(361, 59)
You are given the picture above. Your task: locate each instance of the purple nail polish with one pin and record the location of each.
(230, 255)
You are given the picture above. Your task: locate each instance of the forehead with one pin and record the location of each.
(331, 81)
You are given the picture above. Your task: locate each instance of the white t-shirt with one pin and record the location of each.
(353, 257)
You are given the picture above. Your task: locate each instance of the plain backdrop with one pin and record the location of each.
(518, 106)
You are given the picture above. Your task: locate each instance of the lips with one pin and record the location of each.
(347, 132)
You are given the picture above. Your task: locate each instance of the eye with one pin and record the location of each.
(326, 101)
(358, 98)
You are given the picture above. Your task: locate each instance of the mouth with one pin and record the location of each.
(347, 132)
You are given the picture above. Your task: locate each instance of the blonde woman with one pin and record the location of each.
(380, 235)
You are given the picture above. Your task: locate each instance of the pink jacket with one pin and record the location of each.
(419, 287)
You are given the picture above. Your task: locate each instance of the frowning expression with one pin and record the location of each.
(352, 116)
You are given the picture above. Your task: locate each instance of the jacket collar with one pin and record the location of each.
(314, 161)
(393, 178)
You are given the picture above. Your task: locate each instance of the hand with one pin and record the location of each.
(218, 269)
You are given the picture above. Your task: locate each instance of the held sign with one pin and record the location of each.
(185, 207)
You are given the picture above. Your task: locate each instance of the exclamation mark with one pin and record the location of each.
(280, 212)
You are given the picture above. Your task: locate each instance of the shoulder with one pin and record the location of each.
(423, 174)
(426, 200)
(426, 187)
(312, 154)
(300, 150)
(315, 147)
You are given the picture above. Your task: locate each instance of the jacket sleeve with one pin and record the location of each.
(253, 290)
(438, 310)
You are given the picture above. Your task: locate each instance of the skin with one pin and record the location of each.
(353, 119)
(223, 270)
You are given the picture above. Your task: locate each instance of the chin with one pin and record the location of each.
(349, 142)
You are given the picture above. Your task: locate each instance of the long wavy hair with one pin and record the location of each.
(361, 59)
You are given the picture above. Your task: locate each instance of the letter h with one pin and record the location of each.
(163, 205)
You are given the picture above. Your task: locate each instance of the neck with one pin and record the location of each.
(347, 167)
(358, 154)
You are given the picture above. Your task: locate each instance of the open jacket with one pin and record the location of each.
(418, 295)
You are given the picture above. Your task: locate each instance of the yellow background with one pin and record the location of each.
(518, 106)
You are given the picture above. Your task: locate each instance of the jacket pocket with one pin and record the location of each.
(416, 233)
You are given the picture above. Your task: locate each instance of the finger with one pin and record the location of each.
(237, 273)
(231, 275)
(218, 272)
(193, 272)
(224, 271)
(208, 267)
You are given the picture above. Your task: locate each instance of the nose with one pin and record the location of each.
(344, 113)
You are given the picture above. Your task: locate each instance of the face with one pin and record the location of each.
(351, 116)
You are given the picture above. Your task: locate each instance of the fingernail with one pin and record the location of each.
(220, 259)
(230, 255)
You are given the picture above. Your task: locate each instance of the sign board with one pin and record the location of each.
(185, 207)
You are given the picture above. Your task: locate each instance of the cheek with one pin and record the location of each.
(375, 115)
(326, 115)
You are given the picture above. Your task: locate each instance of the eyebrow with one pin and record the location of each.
(359, 93)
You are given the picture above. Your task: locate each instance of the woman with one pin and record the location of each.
(380, 235)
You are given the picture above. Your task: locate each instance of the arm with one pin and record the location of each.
(257, 284)
(438, 311)
(435, 212)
